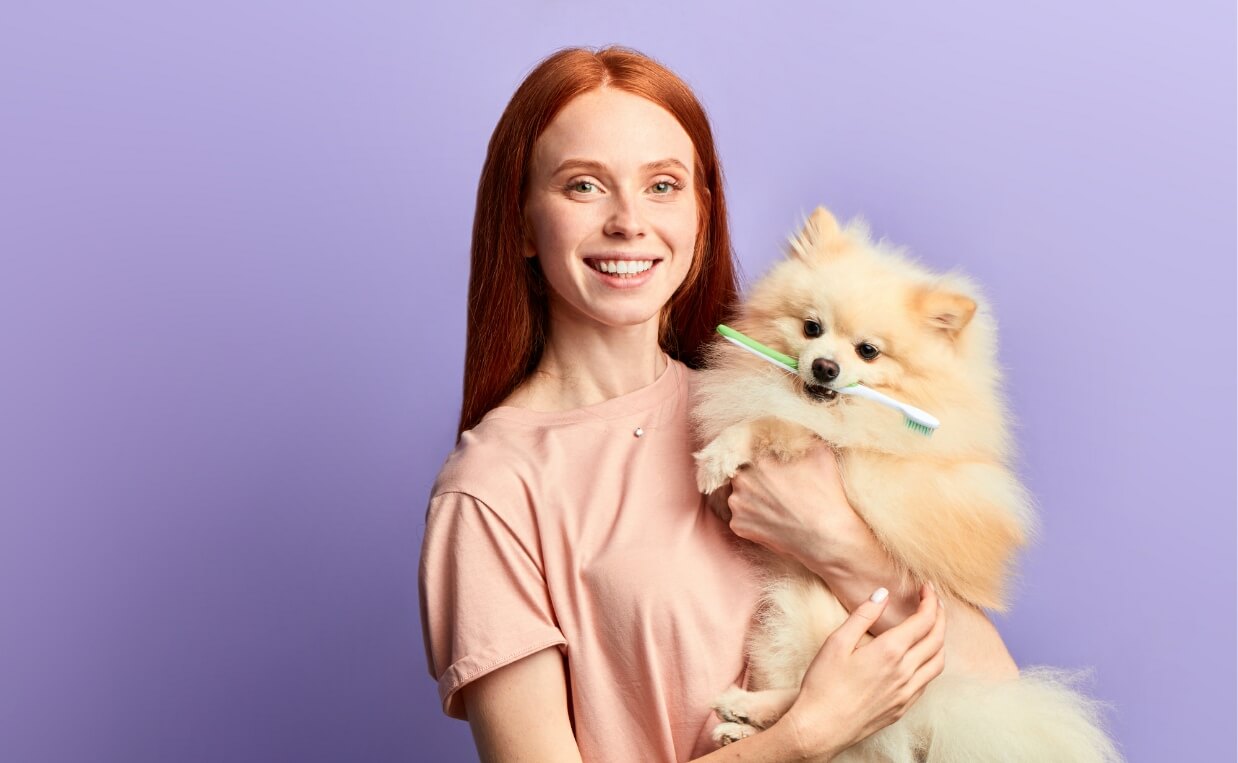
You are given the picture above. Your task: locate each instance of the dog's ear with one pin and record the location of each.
(820, 238)
(945, 310)
(825, 222)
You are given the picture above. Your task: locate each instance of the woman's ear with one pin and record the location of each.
(527, 248)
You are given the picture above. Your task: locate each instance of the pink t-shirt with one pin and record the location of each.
(567, 529)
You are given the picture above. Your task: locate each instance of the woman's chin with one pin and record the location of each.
(618, 320)
(630, 320)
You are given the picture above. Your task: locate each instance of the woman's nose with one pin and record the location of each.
(625, 219)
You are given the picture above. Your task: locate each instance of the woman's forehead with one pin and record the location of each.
(613, 128)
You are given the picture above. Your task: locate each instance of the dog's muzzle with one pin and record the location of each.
(819, 393)
(824, 371)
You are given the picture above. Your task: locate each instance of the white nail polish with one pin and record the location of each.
(879, 595)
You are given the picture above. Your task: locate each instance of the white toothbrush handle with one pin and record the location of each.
(910, 411)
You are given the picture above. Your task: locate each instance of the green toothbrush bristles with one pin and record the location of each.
(917, 427)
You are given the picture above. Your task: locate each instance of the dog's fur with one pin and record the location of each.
(947, 507)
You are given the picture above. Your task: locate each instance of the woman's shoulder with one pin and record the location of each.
(491, 478)
(491, 457)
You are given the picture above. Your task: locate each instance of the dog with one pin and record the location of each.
(948, 508)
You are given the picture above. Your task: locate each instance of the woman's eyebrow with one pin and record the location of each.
(590, 165)
(587, 165)
(663, 164)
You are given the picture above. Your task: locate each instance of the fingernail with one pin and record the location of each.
(879, 595)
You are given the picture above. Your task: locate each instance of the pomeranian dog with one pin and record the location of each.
(948, 508)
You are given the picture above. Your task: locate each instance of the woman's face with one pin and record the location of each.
(611, 208)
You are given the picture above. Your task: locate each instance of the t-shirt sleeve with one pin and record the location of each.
(484, 600)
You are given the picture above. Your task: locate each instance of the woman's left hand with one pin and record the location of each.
(799, 509)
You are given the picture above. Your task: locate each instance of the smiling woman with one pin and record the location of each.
(613, 232)
(662, 154)
(579, 598)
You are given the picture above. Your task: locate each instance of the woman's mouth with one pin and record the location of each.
(621, 273)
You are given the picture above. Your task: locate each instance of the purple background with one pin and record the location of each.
(234, 249)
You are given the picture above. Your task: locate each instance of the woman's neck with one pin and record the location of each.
(587, 364)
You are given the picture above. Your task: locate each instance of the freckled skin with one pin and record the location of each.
(618, 202)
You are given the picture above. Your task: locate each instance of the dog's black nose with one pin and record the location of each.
(824, 371)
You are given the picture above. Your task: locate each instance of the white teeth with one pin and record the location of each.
(622, 267)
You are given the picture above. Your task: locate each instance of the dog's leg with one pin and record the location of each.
(760, 709)
(739, 444)
(785, 440)
(718, 461)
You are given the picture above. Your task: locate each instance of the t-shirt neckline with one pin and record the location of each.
(637, 401)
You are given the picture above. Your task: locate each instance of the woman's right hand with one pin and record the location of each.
(854, 689)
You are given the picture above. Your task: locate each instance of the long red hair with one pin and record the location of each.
(508, 307)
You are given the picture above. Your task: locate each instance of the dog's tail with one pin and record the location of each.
(1042, 716)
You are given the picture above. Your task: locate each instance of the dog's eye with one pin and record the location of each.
(812, 328)
(866, 351)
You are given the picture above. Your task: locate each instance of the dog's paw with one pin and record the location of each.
(716, 464)
(709, 478)
(731, 706)
(759, 709)
(725, 733)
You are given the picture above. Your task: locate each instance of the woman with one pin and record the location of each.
(579, 599)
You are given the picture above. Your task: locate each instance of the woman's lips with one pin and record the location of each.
(624, 281)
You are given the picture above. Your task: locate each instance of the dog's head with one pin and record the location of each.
(854, 310)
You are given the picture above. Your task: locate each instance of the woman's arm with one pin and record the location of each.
(973, 644)
(519, 712)
(801, 509)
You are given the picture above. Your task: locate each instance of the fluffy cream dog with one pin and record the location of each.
(947, 507)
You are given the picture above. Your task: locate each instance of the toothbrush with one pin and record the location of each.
(916, 419)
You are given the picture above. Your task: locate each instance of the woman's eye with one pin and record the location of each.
(866, 351)
(812, 328)
(663, 186)
(582, 186)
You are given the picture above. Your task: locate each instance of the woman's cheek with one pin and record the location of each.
(681, 236)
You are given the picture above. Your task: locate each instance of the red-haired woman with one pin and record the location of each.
(579, 598)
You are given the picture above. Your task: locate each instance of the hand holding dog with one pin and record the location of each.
(798, 508)
(853, 689)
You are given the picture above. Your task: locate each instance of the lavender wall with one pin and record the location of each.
(232, 282)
